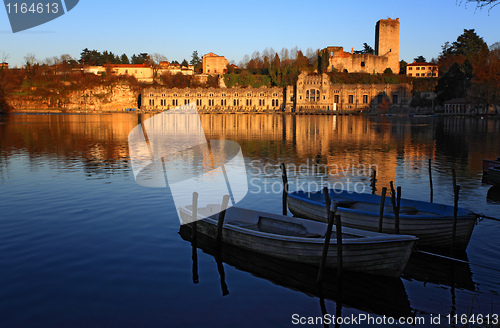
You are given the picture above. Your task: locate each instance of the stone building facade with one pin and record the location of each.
(261, 99)
(422, 70)
(312, 93)
(386, 52)
(214, 64)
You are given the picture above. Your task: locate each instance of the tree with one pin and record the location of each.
(420, 59)
(485, 3)
(155, 60)
(124, 59)
(455, 82)
(195, 58)
(468, 44)
(184, 63)
(402, 67)
(366, 50)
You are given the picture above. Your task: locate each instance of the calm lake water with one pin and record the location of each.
(83, 245)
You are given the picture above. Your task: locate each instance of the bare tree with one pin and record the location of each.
(482, 3)
(155, 60)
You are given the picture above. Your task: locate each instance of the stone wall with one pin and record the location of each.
(348, 97)
(237, 99)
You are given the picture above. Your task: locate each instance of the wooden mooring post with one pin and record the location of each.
(220, 223)
(430, 181)
(194, 217)
(396, 205)
(328, 235)
(374, 181)
(381, 210)
(340, 260)
(455, 216)
(285, 188)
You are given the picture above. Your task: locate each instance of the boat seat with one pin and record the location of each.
(343, 202)
(279, 227)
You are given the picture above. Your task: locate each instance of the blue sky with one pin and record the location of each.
(235, 28)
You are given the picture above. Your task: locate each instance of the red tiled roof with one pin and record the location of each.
(421, 64)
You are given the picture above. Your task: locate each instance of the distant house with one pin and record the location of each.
(214, 64)
(422, 70)
(173, 69)
(4, 65)
(142, 72)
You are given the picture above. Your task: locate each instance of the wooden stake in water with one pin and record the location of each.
(285, 187)
(340, 260)
(374, 181)
(430, 181)
(194, 216)
(381, 210)
(328, 235)
(396, 214)
(455, 216)
(220, 223)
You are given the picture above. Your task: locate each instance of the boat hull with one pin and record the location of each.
(493, 176)
(379, 254)
(433, 230)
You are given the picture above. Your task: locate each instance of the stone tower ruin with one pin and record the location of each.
(387, 42)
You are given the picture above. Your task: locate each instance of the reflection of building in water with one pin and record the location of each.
(347, 145)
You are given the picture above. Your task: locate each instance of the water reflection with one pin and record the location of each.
(374, 294)
(493, 195)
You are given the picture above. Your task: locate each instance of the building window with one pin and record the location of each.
(249, 102)
(380, 98)
(394, 99)
(362, 64)
(198, 102)
(418, 74)
(418, 68)
(410, 68)
(236, 102)
(262, 102)
(365, 99)
(312, 95)
(336, 99)
(211, 102)
(351, 99)
(223, 102)
(409, 74)
(186, 101)
(174, 102)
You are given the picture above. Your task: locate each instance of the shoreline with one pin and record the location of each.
(79, 112)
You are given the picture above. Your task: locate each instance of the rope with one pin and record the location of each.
(487, 217)
(456, 260)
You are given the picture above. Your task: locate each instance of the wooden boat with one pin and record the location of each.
(431, 223)
(493, 175)
(373, 294)
(301, 240)
(488, 163)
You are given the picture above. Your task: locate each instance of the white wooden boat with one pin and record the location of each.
(301, 240)
(431, 223)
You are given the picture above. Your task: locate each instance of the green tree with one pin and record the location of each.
(195, 58)
(124, 59)
(468, 44)
(366, 50)
(455, 82)
(420, 59)
(402, 67)
(184, 63)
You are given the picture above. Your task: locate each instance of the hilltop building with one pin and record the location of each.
(4, 65)
(422, 70)
(386, 52)
(214, 64)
